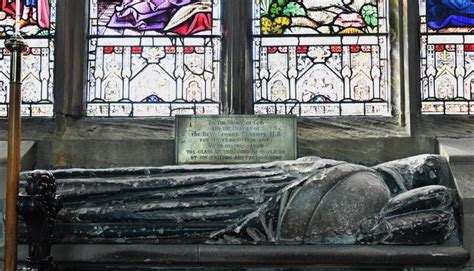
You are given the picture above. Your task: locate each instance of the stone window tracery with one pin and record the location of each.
(321, 57)
(153, 58)
(447, 55)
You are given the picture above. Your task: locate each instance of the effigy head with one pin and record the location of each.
(413, 172)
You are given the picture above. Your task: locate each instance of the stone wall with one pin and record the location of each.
(28, 160)
(98, 143)
(460, 154)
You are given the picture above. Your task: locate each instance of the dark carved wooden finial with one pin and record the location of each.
(39, 208)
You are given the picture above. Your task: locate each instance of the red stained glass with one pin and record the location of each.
(37, 25)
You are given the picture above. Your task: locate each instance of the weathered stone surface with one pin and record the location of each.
(68, 141)
(264, 257)
(307, 201)
(421, 227)
(2, 225)
(464, 180)
(468, 237)
(419, 199)
(417, 171)
(294, 222)
(458, 150)
(339, 215)
(28, 159)
(460, 153)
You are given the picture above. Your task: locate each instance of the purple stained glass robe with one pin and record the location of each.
(145, 15)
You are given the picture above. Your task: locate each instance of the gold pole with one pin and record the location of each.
(16, 45)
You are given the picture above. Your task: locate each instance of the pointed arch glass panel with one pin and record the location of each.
(153, 58)
(321, 57)
(447, 57)
(37, 25)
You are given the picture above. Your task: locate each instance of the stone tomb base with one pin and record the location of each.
(310, 212)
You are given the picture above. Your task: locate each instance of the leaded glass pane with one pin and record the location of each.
(315, 17)
(447, 56)
(153, 58)
(321, 57)
(37, 25)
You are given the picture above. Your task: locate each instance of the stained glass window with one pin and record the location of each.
(321, 57)
(37, 25)
(447, 56)
(153, 58)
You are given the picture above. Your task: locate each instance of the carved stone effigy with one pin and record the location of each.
(307, 201)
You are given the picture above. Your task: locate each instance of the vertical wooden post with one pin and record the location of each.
(16, 45)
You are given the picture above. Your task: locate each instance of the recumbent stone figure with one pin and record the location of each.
(307, 201)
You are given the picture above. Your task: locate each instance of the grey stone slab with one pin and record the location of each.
(3, 180)
(105, 153)
(468, 237)
(460, 154)
(293, 257)
(333, 255)
(2, 225)
(464, 179)
(28, 160)
(457, 150)
(436, 269)
(83, 267)
(25, 148)
(157, 255)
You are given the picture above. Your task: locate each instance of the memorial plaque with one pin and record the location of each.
(235, 139)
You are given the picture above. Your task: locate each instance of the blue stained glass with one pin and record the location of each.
(449, 13)
(447, 54)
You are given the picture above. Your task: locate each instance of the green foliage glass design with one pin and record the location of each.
(319, 17)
